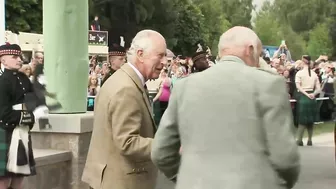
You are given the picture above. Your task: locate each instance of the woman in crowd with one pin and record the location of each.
(328, 80)
(164, 91)
(93, 64)
(308, 85)
(326, 106)
(26, 69)
(181, 72)
(93, 87)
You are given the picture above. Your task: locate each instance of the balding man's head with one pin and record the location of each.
(148, 53)
(241, 42)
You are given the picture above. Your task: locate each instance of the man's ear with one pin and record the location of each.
(250, 50)
(140, 55)
(2, 61)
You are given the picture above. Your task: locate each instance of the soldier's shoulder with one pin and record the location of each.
(2, 77)
(4, 81)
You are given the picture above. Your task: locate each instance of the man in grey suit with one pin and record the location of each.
(234, 124)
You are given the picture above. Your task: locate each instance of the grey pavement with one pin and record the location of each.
(318, 168)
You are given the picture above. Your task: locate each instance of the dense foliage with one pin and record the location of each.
(308, 26)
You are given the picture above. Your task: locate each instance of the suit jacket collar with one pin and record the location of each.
(138, 73)
(136, 79)
(232, 59)
(134, 76)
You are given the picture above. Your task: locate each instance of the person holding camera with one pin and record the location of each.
(283, 52)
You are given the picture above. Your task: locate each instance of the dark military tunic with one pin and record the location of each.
(14, 86)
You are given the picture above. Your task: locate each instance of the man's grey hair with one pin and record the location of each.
(237, 37)
(37, 53)
(141, 41)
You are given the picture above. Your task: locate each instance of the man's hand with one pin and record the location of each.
(311, 96)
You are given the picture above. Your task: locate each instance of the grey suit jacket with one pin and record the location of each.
(235, 126)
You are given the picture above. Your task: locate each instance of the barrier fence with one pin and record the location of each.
(291, 100)
(156, 105)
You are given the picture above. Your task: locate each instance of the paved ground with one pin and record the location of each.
(318, 169)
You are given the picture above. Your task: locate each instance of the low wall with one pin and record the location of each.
(53, 169)
(68, 132)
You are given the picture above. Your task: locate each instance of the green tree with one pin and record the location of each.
(164, 20)
(319, 41)
(302, 15)
(295, 42)
(271, 29)
(332, 29)
(189, 29)
(238, 13)
(216, 22)
(24, 16)
(266, 25)
(122, 17)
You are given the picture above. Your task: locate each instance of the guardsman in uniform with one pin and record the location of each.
(14, 87)
(117, 57)
(200, 62)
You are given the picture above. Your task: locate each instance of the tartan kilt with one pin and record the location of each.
(306, 110)
(5, 140)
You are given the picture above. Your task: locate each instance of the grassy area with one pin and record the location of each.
(326, 127)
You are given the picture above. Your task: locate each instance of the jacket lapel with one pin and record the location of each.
(132, 74)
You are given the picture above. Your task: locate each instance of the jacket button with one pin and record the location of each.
(133, 170)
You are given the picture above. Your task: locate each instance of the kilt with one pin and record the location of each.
(5, 140)
(4, 147)
(306, 110)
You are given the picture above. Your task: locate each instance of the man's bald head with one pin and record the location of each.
(241, 42)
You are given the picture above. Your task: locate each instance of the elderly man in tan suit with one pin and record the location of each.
(234, 124)
(119, 153)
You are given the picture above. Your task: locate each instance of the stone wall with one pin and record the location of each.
(67, 132)
(55, 176)
(53, 169)
(77, 144)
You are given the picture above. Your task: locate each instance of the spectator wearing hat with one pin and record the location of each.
(200, 62)
(308, 85)
(117, 57)
(14, 115)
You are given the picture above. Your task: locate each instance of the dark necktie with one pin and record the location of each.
(147, 93)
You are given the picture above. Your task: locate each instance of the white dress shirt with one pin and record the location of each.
(138, 73)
